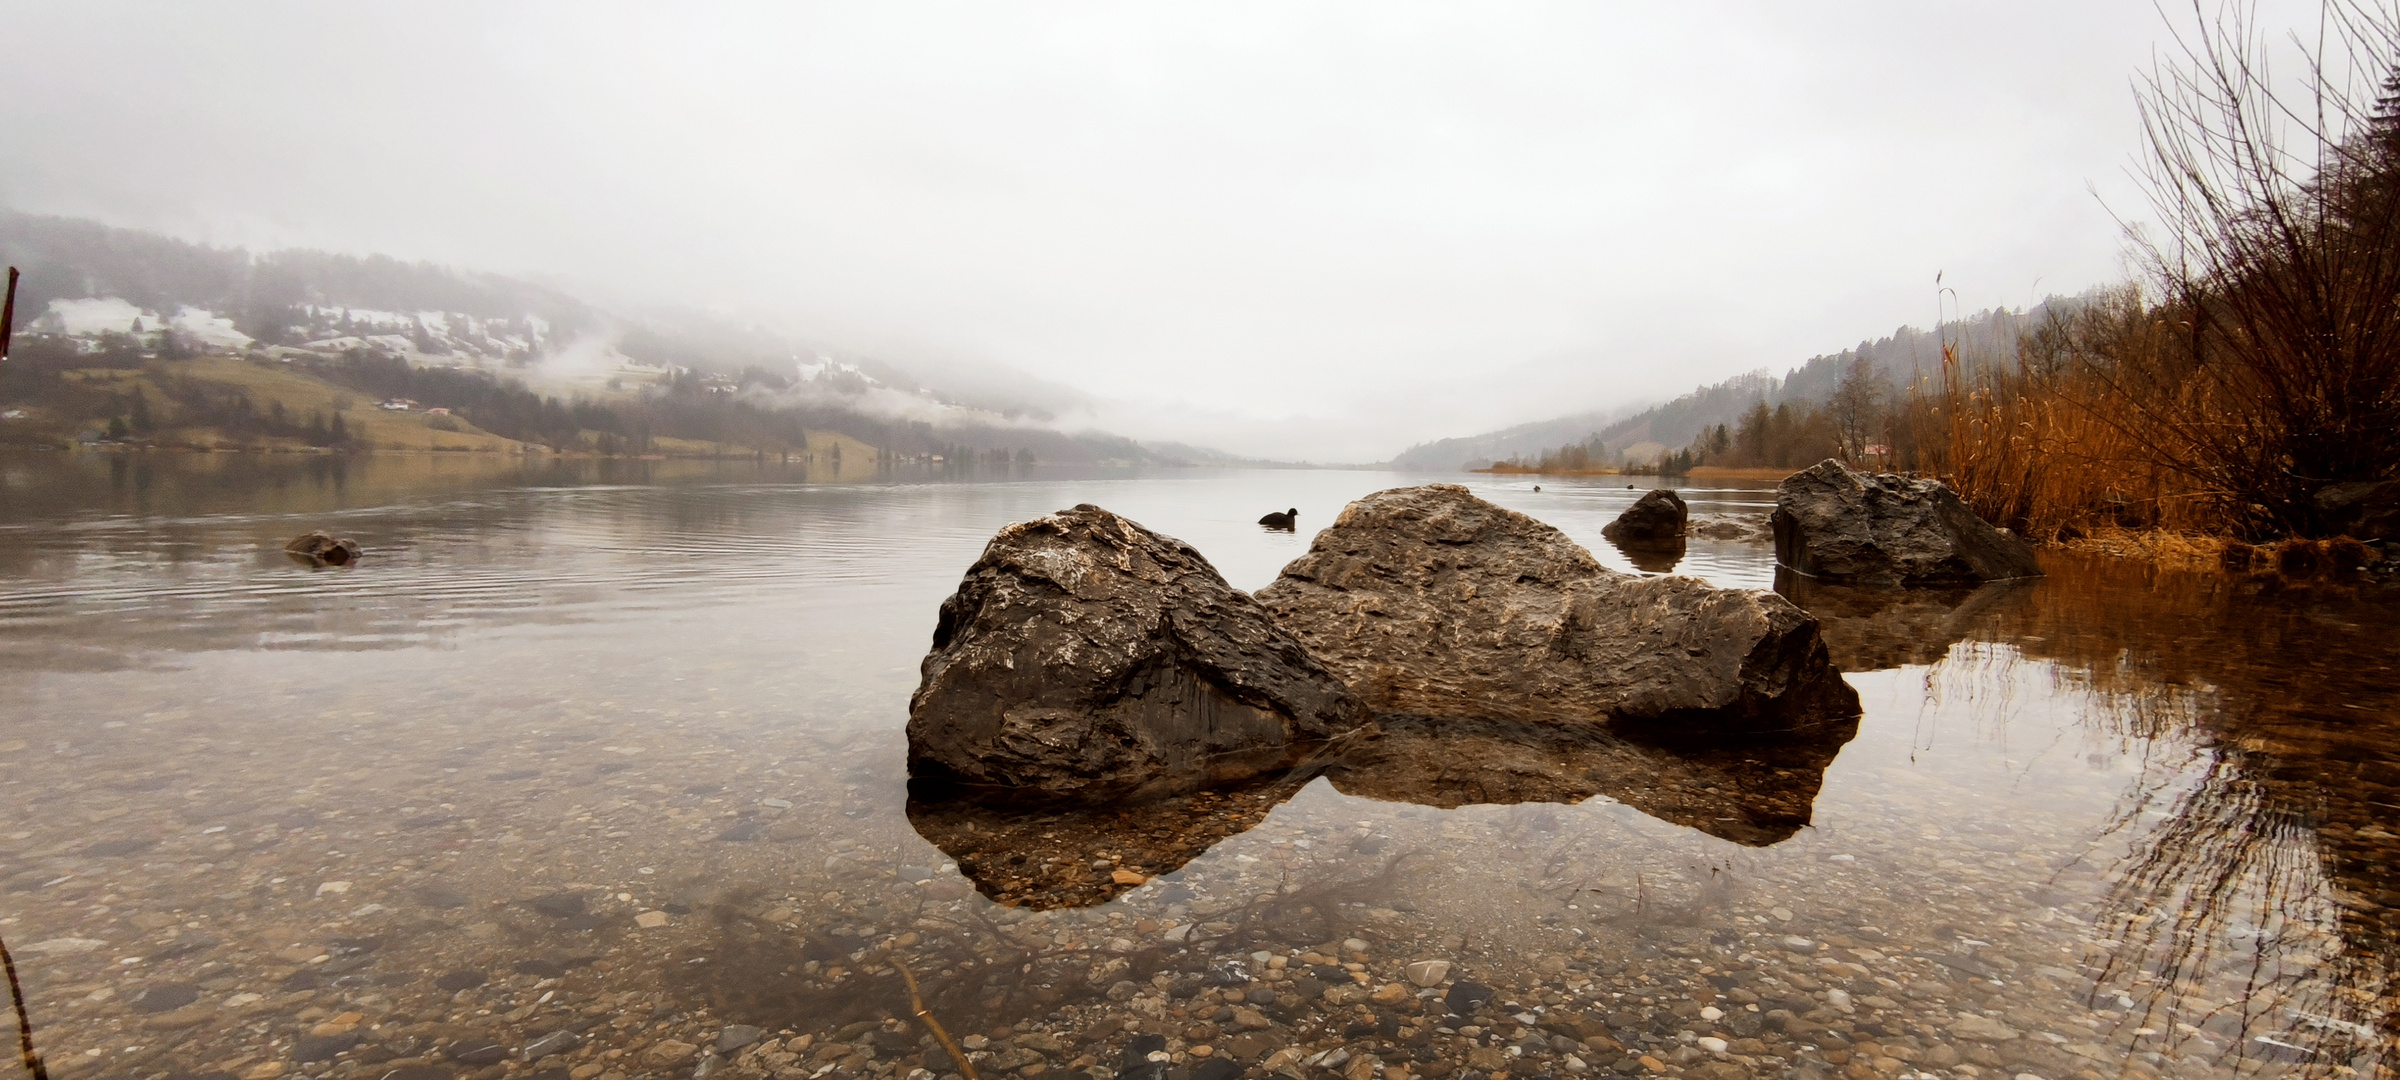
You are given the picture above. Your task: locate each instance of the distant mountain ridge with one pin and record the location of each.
(79, 275)
(1905, 356)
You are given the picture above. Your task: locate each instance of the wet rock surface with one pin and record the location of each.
(1087, 657)
(1837, 525)
(1431, 602)
(1655, 519)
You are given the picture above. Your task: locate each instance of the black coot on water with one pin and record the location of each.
(1286, 520)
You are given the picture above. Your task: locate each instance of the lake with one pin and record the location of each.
(595, 771)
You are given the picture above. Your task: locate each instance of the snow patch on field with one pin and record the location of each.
(92, 315)
(209, 328)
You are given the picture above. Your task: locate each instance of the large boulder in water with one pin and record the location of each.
(1837, 525)
(1086, 657)
(1431, 602)
(1654, 520)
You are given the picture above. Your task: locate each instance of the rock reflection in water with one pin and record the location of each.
(1752, 792)
(1657, 557)
(1875, 627)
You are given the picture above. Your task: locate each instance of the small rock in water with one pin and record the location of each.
(559, 905)
(322, 1047)
(1429, 972)
(478, 1051)
(1656, 518)
(455, 981)
(556, 1042)
(1465, 997)
(737, 1036)
(162, 997)
(441, 896)
(650, 920)
(322, 549)
(418, 1072)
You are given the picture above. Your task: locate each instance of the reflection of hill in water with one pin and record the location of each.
(1753, 792)
(2294, 695)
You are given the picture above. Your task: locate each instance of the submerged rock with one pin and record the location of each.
(1051, 857)
(1837, 525)
(1431, 602)
(1750, 791)
(1087, 657)
(1656, 519)
(322, 549)
(1740, 528)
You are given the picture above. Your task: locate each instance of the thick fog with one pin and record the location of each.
(1323, 231)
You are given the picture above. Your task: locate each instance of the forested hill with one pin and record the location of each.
(1901, 358)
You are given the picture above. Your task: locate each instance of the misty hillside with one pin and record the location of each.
(1903, 357)
(84, 281)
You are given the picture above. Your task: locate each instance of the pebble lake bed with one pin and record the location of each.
(594, 774)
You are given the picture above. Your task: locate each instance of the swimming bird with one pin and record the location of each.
(1285, 520)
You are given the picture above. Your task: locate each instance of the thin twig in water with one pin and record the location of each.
(916, 1001)
(16, 995)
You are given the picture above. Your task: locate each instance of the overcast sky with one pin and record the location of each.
(1307, 230)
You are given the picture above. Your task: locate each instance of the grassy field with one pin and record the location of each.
(373, 428)
(369, 427)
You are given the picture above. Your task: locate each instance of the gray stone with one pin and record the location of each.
(1656, 518)
(737, 1036)
(1087, 657)
(1431, 602)
(1834, 524)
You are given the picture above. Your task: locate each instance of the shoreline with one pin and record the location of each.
(1699, 472)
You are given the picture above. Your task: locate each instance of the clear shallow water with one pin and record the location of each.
(262, 820)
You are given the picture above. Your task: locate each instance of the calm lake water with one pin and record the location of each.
(594, 771)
